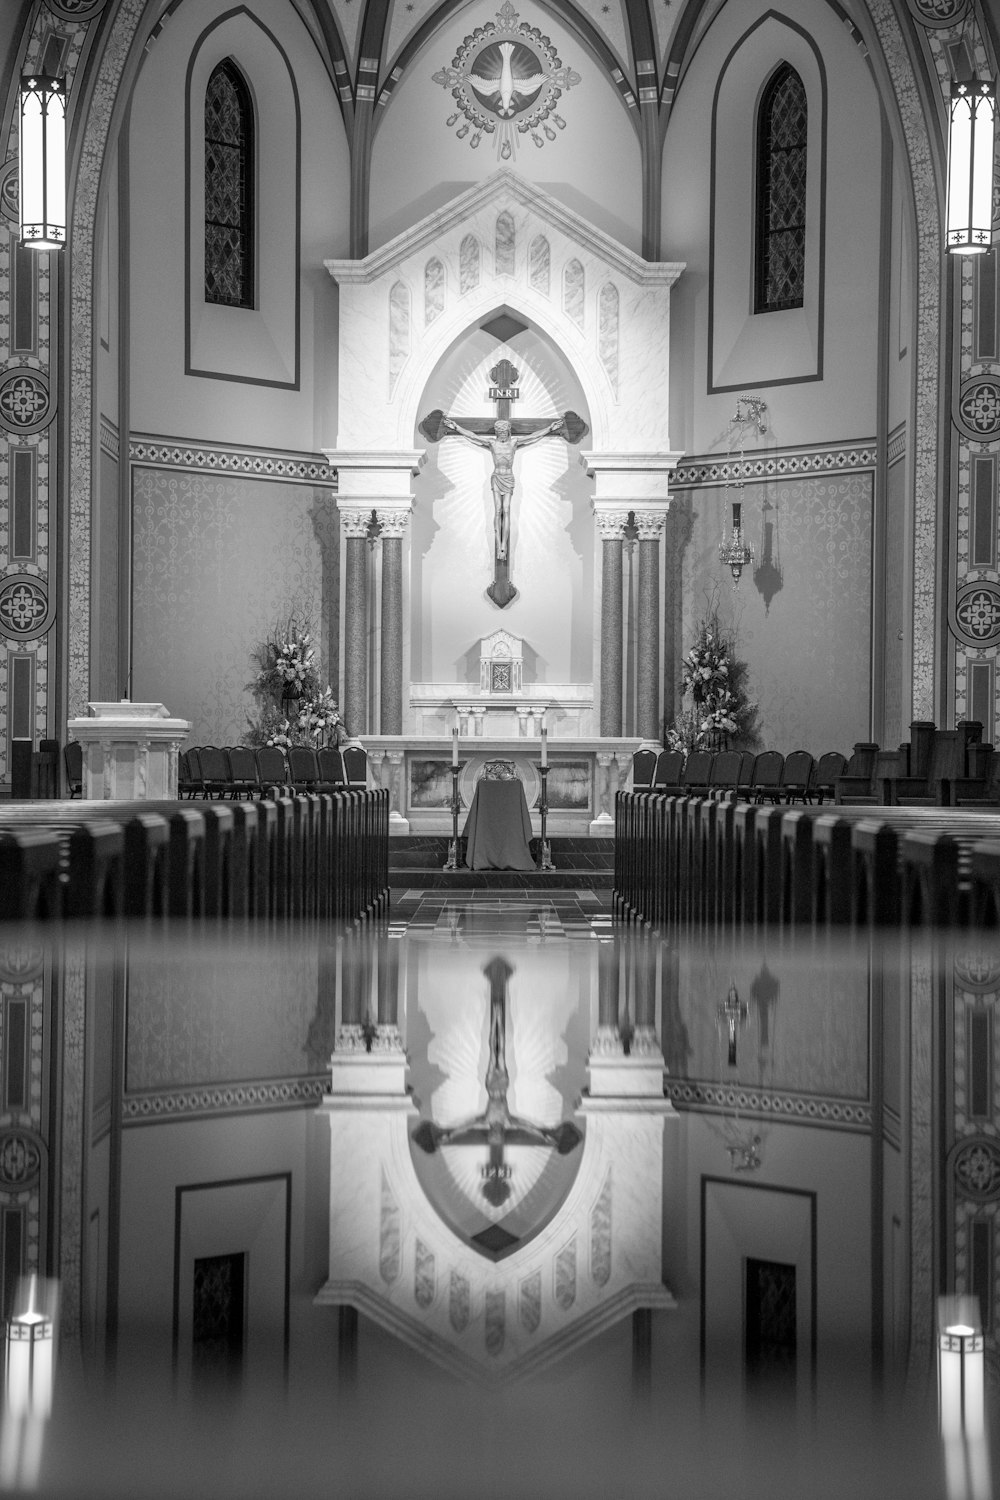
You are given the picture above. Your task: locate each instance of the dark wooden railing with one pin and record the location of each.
(323, 857)
(681, 860)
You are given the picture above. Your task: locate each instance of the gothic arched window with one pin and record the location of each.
(229, 188)
(779, 279)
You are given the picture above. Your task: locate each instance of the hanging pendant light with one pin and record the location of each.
(43, 161)
(734, 550)
(971, 120)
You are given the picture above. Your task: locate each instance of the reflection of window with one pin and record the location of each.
(229, 177)
(781, 193)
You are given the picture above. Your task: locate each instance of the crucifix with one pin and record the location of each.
(503, 435)
(496, 1127)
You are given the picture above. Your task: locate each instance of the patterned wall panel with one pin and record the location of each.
(804, 628)
(217, 562)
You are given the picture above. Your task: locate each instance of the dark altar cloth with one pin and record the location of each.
(498, 828)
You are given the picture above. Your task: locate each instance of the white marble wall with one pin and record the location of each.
(626, 395)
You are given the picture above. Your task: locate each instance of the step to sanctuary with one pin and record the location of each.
(417, 862)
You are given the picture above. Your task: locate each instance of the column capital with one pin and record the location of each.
(392, 519)
(610, 523)
(649, 523)
(354, 520)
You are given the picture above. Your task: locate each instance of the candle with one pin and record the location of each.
(545, 746)
(454, 746)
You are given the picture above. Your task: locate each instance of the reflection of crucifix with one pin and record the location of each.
(497, 1127)
(503, 437)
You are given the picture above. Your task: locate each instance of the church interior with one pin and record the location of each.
(493, 354)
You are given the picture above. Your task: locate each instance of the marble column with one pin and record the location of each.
(354, 530)
(610, 528)
(392, 521)
(608, 1041)
(649, 524)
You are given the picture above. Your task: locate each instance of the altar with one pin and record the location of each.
(584, 773)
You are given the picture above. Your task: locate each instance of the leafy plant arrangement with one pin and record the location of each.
(291, 706)
(720, 715)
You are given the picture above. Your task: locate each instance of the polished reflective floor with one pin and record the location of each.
(497, 1197)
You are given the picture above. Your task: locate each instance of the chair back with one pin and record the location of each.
(643, 767)
(830, 765)
(242, 770)
(795, 775)
(767, 770)
(725, 771)
(73, 761)
(331, 766)
(697, 770)
(355, 759)
(303, 767)
(669, 765)
(271, 767)
(745, 780)
(215, 776)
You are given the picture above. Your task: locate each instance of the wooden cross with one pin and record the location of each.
(502, 434)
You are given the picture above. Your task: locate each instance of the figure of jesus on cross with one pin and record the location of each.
(503, 437)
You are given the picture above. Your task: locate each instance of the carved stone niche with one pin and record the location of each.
(501, 663)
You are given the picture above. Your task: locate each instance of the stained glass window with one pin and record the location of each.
(781, 193)
(229, 178)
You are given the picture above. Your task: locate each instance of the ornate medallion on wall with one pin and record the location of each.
(976, 619)
(10, 191)
(25, 607)
(977, 972)
(25, 402)
(20, 962)
(21, 1153)
(936, 14)
(977, 409)
(976, 1166)
(75, 10)
(506, 80)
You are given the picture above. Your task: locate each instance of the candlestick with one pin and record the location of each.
(454, 746)
(545, 746)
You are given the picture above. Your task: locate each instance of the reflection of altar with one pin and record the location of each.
(584, 775)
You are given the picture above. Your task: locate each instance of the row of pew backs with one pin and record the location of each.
(323, 857)
(714, 861)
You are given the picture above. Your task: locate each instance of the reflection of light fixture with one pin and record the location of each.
(29, 1356)
(962, 1398)
(43, 161)
(971, 117)
(732, 1015)
(961, 1367)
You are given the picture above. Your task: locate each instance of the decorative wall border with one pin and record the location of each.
(252, 1097)
(770, 1104)
(250, 463)
(693, 472)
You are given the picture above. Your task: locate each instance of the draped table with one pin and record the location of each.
(498, 829)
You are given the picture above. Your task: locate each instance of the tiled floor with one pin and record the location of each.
(561, 913)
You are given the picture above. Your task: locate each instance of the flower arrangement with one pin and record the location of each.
(720, 713)
(292, 707)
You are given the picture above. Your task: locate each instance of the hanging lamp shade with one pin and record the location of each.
(43, 161)
(971, 120)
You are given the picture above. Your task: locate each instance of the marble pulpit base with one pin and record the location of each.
(130, 751)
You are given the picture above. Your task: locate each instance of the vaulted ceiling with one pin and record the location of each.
(373, 42)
